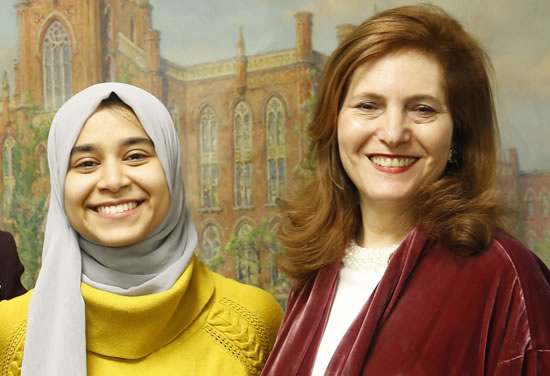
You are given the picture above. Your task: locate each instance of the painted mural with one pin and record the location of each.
(239, 78)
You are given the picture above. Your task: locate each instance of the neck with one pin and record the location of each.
(383, 224)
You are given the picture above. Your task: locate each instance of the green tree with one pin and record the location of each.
(254, 252)
(28, 207)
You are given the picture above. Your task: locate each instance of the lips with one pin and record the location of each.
(117, 208)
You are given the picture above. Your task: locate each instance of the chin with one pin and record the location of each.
(116, 241)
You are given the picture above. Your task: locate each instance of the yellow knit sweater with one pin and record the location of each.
(204, 325)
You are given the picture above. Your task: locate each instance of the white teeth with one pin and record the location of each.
(392, 162)
(117, 208)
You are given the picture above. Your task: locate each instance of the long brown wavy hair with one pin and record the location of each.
(321, 213)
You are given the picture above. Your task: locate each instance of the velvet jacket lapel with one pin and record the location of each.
(308, 309)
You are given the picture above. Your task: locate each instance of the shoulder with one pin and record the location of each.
(249, 301)
(244, 319)
(512, 256)
(251, 298)
(13, 324)
(6, 240)
(531, 281)
(8, 249)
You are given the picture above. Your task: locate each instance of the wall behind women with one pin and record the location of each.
(267, 71)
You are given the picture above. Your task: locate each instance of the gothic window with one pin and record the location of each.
(107, 24)
(243, 155)
(531, 205)
(276, 150)
(545, 205)
(107, 32)
(109, 69)
(245, 260)
(42, 158)
(174, 114)
(132, 30)
(210, 243)
(56, 66)
(208, 125)
(9, 179)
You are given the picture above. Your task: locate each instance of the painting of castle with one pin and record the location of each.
(241, 120)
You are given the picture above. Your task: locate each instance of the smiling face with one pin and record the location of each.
(394, 128)
(115, 189)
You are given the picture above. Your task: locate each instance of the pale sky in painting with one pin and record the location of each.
(516, 34)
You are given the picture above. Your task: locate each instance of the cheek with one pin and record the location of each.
(344, 133)
(353, 131)
(73, 191)
(73, 199)
(154, 182)
(440, 143)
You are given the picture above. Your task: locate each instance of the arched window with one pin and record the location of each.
(531, 205)
(107, 21)
(243, 155)
(210, 242)
(174, 114)
(276, 149)
(209, 157)
(132, 30)
(9, 179)
(109, 69)
(545, 205)
(56, 66)
(246, 257)
(108, 43)
(42, 158)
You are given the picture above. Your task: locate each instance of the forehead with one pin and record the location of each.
(107, 123)
(404, 71)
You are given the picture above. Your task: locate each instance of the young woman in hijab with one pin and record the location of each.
(403, 160)
(120, 291)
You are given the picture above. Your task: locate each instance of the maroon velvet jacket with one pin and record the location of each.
(433, 313)
(10, 268)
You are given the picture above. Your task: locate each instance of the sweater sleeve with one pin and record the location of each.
(13, 324)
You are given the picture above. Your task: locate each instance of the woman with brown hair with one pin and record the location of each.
(393, 235)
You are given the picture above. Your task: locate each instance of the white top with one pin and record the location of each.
(360, 272)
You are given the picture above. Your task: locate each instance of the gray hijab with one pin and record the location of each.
(55, 342)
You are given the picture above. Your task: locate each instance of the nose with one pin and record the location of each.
(113, 177)
(394, 127)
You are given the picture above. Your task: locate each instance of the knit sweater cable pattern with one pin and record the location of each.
(236, 320)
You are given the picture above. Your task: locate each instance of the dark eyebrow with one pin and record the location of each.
(83, 148)
(86, 148)
(137, 140)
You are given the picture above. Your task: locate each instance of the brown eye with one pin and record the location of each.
(137, 156)
(367, 106)
(86, 164)
(424, 110)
